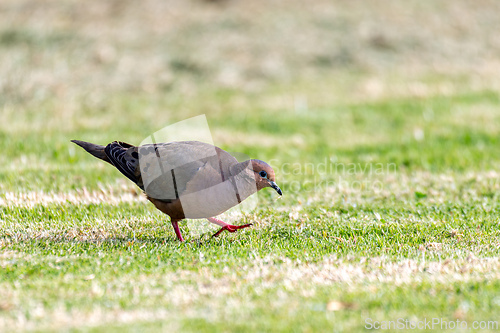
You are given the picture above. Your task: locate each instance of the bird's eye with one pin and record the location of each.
(263, 174)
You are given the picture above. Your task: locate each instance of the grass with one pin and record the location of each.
(384, 141)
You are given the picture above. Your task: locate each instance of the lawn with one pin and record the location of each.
(381, 122)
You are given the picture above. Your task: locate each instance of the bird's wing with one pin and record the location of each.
(205, 177)
(124, 157)
(167, 168)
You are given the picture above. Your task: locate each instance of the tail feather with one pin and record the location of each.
(93, 149)
(121, 155)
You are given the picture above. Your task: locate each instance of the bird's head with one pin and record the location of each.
(264, 175)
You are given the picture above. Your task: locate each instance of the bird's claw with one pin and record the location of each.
(231, 228)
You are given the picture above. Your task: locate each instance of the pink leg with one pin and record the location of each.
(225, 226)
(175, 224)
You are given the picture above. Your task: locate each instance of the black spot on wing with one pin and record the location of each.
(118, 156)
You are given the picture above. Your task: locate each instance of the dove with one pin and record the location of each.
(188, 179)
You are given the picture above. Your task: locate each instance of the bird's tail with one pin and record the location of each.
(96, 150)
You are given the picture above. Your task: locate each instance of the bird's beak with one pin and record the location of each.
(276, 187)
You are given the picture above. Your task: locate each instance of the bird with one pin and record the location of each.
(188, 179)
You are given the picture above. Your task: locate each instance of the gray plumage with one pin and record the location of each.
(187, 179)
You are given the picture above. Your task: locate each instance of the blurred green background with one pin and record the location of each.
(413, 83)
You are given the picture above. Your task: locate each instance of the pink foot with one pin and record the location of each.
(225, 226)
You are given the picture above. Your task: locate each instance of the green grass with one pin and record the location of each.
(416, 260)
(423, 244)
(384, 142)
